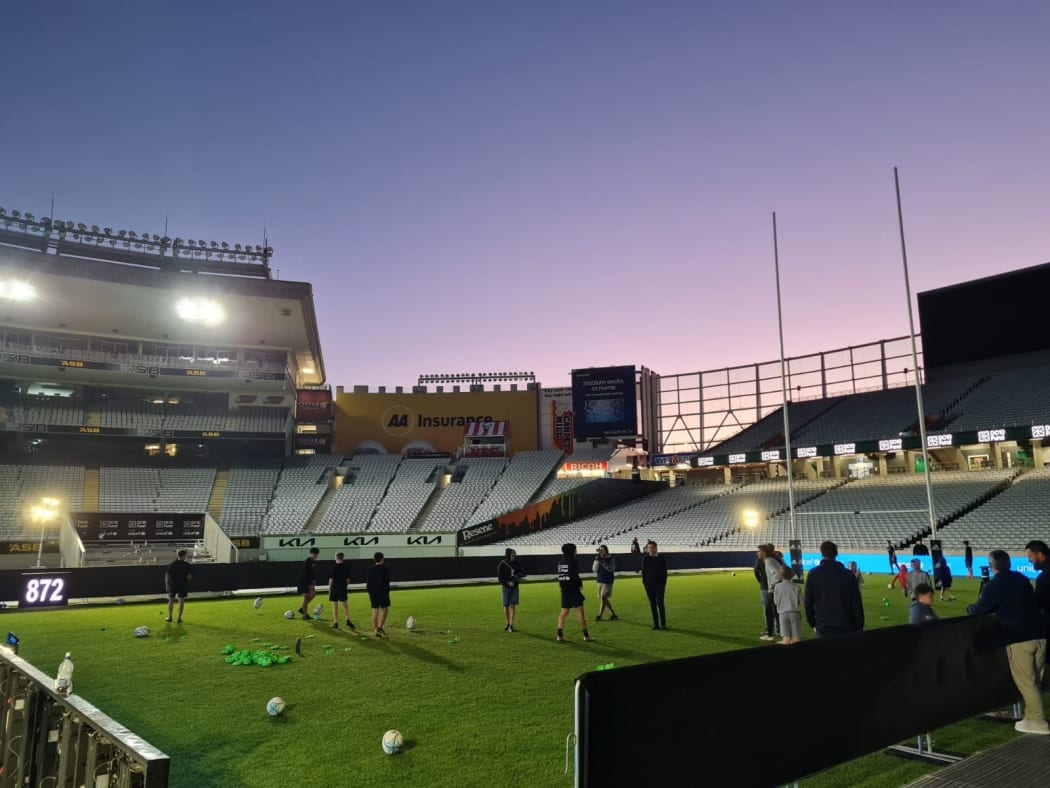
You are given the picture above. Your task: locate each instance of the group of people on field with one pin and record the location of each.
(654, 579)
(833, 607)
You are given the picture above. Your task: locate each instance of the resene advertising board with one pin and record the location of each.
(396, 423)
(604, 402)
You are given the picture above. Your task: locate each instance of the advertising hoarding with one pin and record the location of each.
(431, 422)
(604, 403)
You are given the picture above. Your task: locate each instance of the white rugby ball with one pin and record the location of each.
(142, 632)
(393, 741)
(411, 623)
(289, 614)
(318, 609)
(275, 706)
(257, 603)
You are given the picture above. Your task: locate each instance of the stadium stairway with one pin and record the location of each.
(218, 493)
(948, 414)
(322, 507)
(535, 497)
(90, 502)
(424, 513)
(92, 417)
(944, 522)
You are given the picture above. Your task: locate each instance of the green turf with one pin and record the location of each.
(470, 699)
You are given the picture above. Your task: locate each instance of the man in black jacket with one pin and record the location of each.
(1009, 596)
(509, 576)
(833, 604)
(654, 578)
(571, 591)
(1039, 555)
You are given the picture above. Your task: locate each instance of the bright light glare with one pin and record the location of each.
(308, 370)
(200, 310)
(16, 290)
(46, 511)
(750, 518)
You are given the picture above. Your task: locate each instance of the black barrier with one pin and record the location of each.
(587, 499)
(716, 719)
(116, 581)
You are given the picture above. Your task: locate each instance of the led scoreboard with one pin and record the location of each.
(44, 589)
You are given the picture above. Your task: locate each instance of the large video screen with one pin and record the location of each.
(604, 403)
(985, 318)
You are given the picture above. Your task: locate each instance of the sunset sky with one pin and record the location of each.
(494, 185)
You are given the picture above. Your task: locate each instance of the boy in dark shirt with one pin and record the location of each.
(571, 591)
(654, 579)
(378, 584)
(338, 580)
(307, 585)
(177, 583)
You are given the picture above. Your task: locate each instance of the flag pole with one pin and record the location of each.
(784, 388)
(915, 365)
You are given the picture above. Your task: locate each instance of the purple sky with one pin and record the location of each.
(489, 185)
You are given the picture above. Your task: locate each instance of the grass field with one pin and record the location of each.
(472, 701)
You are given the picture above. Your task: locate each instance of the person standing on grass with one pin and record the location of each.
(177, 584)
(1008, 595)
(605, 572)
(942, 578)
(509, 575)
(763, 596)
(767, 553)
(921, 609)
(571, 591)
(857, 574)
(917, 577)
(832, 599)
(338, 583)
(1039, 554)
(920, 548)
(968, 558)
(378, 585)
(787, 597)
(654, 579)
(892, 552)
(307, 584)
(636, 550)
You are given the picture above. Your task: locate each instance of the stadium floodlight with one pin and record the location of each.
(750, 518)
(43, 513)
(201, 310)
(17, 290)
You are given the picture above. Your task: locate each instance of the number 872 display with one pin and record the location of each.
(44, 590)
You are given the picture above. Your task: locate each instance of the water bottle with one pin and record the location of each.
(64, 681)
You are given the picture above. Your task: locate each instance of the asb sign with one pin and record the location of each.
(395, 423)
(604, 403)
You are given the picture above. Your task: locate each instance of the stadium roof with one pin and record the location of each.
(102, 298)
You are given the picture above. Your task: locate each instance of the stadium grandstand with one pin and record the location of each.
(205, 394)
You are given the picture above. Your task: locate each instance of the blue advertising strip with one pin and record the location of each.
(604, 402)
(879, 563)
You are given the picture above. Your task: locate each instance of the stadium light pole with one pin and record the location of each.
(915, 364)
(783, 386)
(44, 513)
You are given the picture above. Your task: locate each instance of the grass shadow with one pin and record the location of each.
(415, 652)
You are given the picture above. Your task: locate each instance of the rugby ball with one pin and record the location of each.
(142, 632)
(318, 609)
(289, 614)
(393, 741)
(257, 603)
(275, 706)
(119, 600)
(411, 623)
